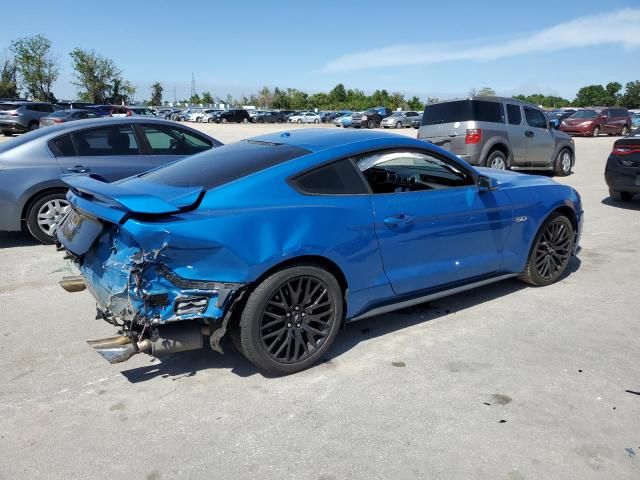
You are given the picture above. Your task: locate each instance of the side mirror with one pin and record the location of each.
(486, 183)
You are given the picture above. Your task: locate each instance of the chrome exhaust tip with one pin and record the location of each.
(119, 349)
(73, 284)
(170, 339)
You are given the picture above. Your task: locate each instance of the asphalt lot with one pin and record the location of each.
(505, 382)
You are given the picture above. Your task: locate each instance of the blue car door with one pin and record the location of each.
(434, 226)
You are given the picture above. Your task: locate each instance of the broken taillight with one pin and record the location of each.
(474, 135)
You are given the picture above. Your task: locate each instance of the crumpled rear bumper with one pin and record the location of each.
(131, 285)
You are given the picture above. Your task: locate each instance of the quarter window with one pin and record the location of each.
(338, 178)
(513, 112)
(535, 118)
(409, 171)
(63, 147)
(172, 141)
(116, 140)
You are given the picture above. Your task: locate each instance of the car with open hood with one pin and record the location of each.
(280, 239)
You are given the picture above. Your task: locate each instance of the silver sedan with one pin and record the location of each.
(399, 119)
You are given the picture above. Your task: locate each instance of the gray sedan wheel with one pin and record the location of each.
(44, 214)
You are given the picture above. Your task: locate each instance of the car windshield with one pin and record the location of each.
(224, 164)
(585, 114)
(396, 114)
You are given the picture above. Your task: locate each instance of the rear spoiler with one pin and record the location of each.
(116, 202)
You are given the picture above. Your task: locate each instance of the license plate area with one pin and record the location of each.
(77, 232)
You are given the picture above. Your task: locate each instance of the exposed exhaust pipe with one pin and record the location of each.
(175, 338)
(73, 284)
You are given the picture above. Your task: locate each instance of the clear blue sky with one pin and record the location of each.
(416, 47)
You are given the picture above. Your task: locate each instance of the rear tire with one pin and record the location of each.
(6, 133)
(563, 162)
(245, 120)
(620, 196)
(399, 125)
(551, 251)
(33, 126)
(224, 120)
(291, 319)
(497, 160)
(595, 132)
(43, 212)
(371, 124)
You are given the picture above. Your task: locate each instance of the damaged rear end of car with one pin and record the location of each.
(144, 277)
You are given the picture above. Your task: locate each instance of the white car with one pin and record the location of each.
(305, 117)
(206, 114)
(194, 115)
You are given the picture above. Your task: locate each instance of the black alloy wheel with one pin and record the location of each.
(551, 251)
(291, 319)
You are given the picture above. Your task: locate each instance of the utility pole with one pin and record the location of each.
(193, 84)
(175, 99)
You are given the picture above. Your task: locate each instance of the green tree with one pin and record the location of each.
(156, 94)
(338, 96)
(207, 98)
(94, 74)
(195, 98)
(591, 95)
(319, 100)
(613, 92)
(121, 92)
(486, 92)
(281, 99)
(631, 97)
(416, 104)
(36, 65)
(8, 82)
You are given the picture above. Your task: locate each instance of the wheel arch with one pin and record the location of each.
(318, 260)
(498, 144)
(36, 196)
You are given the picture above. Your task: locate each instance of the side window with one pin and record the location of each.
(513, 112)
(535, 118)
(117, 140)
(337, 178)
(63, 147)
(172, 141)
(410, 171)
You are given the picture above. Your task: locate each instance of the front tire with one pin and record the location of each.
(399, 125)
(245, 120)
(43, 215)
(562, 166)
(551, 251)
(371, 124)
(291, 319)
(595, 132)
(624, 131)
(224, 120)
(620, 196)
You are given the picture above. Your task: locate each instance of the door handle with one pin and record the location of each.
(528, 133)
(78, 169)
(400, 220)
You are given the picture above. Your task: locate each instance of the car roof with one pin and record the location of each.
(45, 134)
(318, 139)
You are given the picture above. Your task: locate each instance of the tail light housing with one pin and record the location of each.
(57, 121)
(128, 113)
(474, 135)
(625, 149)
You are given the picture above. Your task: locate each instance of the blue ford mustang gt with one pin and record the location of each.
(279, 239)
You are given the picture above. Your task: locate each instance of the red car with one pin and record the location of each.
(593, 121)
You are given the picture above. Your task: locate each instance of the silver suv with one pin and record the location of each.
(497, 132)
(20, 117)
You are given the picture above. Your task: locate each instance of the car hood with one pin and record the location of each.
(510, 179)
(577, 121)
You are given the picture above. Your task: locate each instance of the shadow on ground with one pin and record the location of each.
(16, 239)
(188, 364)
(634, 204)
